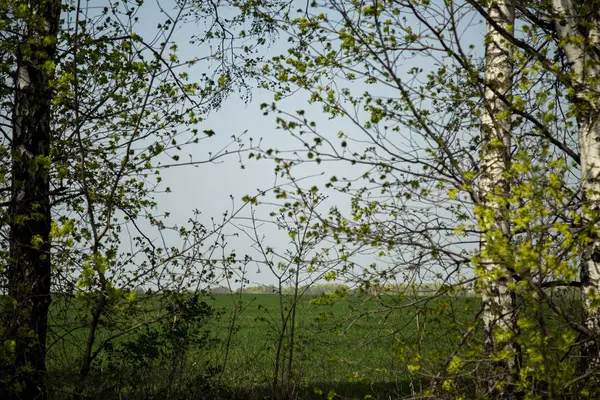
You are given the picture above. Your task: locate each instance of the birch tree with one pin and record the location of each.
(29, 264)
(92, 111)
(450, 145)
(574, 25)
(577, 27)
(499, 302)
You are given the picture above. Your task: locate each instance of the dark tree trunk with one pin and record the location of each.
(29, 267)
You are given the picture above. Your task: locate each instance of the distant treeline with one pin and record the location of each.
(325, 288)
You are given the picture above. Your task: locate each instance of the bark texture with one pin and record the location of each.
(581, 45)
(499, 314)
(29, 268)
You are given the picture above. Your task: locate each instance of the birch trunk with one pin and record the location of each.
(589, 139)
(582, 54)
(29, 268)
(499, 311)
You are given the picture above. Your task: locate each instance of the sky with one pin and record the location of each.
(210, 188)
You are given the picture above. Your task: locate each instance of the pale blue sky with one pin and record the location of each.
(209, 187)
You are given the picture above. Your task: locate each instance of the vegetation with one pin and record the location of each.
(342, 348)
(445, 188)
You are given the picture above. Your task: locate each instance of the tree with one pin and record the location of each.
(579, 43)
(577, 47)
(450, 145)
(499, 302)
(99, 110)
(28, 267)
(308, 258)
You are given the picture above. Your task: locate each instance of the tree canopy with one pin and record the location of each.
(467, 135)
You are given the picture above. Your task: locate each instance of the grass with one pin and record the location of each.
(354, 347)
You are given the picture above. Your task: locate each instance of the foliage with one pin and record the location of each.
(463, 221)
(117, 107)
(408, 83)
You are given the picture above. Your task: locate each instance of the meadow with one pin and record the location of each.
(353, 347)
(350, 347)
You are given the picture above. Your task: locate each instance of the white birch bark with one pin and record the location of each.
(499, 313)
(582, 55)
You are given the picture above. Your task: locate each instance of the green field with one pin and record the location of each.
(353, 347)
